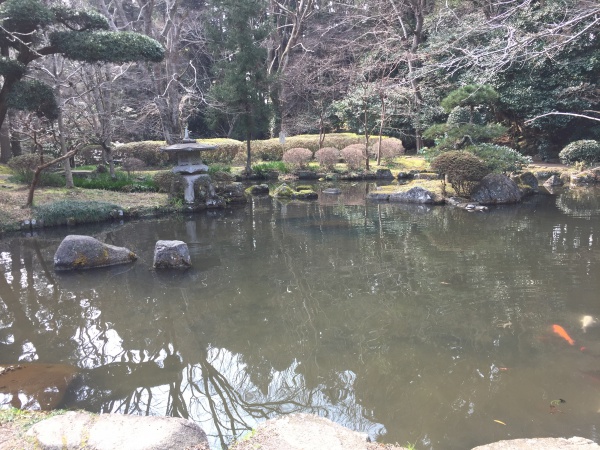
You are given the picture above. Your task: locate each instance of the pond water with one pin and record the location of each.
(429, 325)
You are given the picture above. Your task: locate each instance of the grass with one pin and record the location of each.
(121, 182)
(24, 419)
(58, 213)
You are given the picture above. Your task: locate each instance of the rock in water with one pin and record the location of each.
(171, 255)
(85, 252)
(496, 189)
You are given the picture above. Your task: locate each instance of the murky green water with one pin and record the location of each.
(410, 323)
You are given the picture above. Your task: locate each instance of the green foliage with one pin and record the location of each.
(106, 46)
(453, 137)
(461, 115)
(587, 151)
(24, 164)
(33, 95)
(11, 68)
(263, 169)
(462, 169)
(147, 151)
(79, 19)
(499, 158)
(471, 95)
(57, 213)
(226, 150)
(121, 182)
(25, 16)
(214, 168)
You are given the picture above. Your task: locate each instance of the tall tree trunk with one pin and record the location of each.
(5, 148)
(63, 149)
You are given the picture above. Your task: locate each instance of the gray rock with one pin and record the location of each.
(417, 194)
(86, 252)
(378, 196)
(258, 189)
(527, 182)
(233, 193)
(574, 443)
(75, 430)
(553, 181)
(302, 432)
(332, 191)
(406, 175)
(384, 174)
(171, 255)
(496, 189)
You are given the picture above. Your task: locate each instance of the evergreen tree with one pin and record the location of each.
(31, 30)
(241, 84)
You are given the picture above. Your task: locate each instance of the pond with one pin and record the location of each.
(429, 325)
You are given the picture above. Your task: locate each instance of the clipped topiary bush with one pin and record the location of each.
(298, 157)
(354, 155)
(462, 169)
(147, 151)
(499, 158)
(89, 155)
(328, 157)
(226, 151)
(132, 165)
(390, 148)
(267, 150)
(24, 165)
(587, 151)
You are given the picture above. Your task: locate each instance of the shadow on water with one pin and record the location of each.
(410, 323)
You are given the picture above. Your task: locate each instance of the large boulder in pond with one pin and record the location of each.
(74, 430)
(86, 252)
(417, 194)
(171, 255)
(527, 182)
(496, 189)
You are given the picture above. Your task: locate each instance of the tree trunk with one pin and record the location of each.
(38, 171)
(5, 148)
(382, 120)
(63, 149)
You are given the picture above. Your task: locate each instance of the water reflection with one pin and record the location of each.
(410, 323)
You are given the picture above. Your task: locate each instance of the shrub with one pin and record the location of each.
(147, 151)
(587, 151)
(57, 213)
(130, 165)
(298, 157)
(263, 169)
(24, 165)
(461, 115)
(328, 157)
(354, 155)
(170, 183)
(266, 150)
(390, 148)
(463, 170)
(499, 158)
(119, 183)
(226, 151)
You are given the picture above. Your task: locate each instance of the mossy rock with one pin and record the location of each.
(284, 191)
(257, 189)
(306, 195)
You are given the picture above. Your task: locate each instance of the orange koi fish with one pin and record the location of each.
(562, 333)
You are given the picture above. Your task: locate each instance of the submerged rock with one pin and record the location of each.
(258, 189)
(332, 191)
(86, 252)
(35, 386)
(75, 430)
(496, 189)
(171, 255)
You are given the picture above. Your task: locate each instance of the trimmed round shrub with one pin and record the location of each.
(354, 155)
(390, 148)
(298, 157)
(462, 169)
(499, 158)
(147, 151)
(24, 164)
(328, 157)
(461, 115)
(89, 155)
(130, 165)
(587, 151)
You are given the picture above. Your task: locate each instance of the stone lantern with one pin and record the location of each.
(189, 162)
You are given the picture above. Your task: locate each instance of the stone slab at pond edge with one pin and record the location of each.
(86, 252)
(574, 443)
(77, 430)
